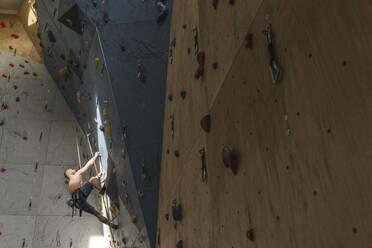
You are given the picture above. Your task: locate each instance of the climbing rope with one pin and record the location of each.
(77, 144)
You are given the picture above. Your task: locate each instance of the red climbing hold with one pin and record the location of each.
(11, 65)
(17, 99)
(4, 76)
(25, 138)
(22, 66)
(201, 58)
(2, 25)
(26, 73)
(15, 36)
(2, 170)
(206, 123)
(10, 47)
(248, 41)
(35, 74)
(15, 87)
(229, 159)
(1, 233)
(4, 106)
(2, 123)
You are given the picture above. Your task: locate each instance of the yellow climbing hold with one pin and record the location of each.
(87, 44)
(78, 97)
(108, 127)
(123, 153)
(113, 210)
(88, 125)
(104, 111)
(114, 170)
(64, 73)
(134, 219)
(140, 194)
(95, 62)
(69, 21)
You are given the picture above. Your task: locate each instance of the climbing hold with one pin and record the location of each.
(51, 37)
(231, 2)
(229, 159)
(78, 97)
(205, 123)
(4, 106)
(65, 73)
(15, 87)
(140, 194)
(22, 66)
(69, 21)
(113, 210)
(176, 211)
(249, 41)
(94, 2)
(183, 94)
(201, 61)
(11, 48)
(170, 97)
(123, 153)
(102, 128)
(215, 65)
(250, 235)
(35, 74)
(114, 170)
(179, 244)
(2, 25)
(215, 3)
(2, 123)
(2, 170)
(173, 43)
(134, 219)
(124, 183)
(163, 12)
(17, 99)
(26, 73)
(11, 65)
(15, 36)
(95, 63)
(108, 127)
(104, 111)
(26, 61)
(87, 44)
(88, 126)
(4, 76)
(177, 153)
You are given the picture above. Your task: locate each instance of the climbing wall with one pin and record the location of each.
(109, 59)
(302, 146)
(37, 143)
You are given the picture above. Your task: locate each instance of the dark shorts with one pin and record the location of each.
(83, 204)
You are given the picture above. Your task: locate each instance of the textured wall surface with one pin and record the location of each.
(37, 143)
(109, 60)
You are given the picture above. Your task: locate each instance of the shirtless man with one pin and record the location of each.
(76, 184)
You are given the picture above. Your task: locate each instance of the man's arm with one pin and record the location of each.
(88, 164)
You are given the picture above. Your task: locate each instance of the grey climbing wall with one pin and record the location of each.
(37, 144)
(112, 74)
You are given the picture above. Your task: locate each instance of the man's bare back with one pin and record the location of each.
(76, 182)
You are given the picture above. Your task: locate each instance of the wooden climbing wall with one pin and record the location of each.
(304, 145)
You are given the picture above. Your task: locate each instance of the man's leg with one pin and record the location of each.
(104, 220)
(95, 182)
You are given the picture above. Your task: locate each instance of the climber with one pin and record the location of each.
(80, 191)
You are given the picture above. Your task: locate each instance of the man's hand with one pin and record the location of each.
(96, 155)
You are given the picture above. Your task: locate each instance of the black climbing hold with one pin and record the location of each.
(329, 131)
(344, 63)
(106, 18)
(173, 43)
(170, 97)
(94, 2)
(310, 55)
(167, 151)
(177, 212)
(166, 216)
(183, 94)
(179, 244)
(177, 153)
(51, 37)
(315, 193)
(355, 230)
(215, 65)
(250, 235)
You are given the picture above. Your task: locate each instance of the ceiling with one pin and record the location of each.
(10, 6)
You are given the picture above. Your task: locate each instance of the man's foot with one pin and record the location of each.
(103, 190)
(114, 226)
